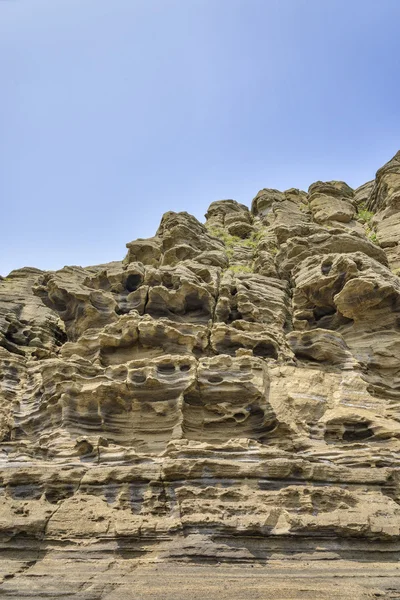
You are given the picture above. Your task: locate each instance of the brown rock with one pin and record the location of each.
(225, 398)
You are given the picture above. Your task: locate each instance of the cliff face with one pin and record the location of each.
(227, 395)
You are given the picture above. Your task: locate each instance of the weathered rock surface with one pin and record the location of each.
(226, 397)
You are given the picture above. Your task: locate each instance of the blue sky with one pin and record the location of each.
(115, 111)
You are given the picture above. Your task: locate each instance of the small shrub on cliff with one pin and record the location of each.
(257, 235)
(240, 269)
(224, 236)
(234, 240)
(364, 215)
(248, 243)
(371, 235)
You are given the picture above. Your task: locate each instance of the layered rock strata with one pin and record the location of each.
(228, 394)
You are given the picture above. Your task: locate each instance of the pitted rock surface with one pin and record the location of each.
(227, 396)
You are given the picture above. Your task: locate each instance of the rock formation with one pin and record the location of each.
(225, 397)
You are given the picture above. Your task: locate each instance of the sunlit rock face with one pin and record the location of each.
(229, 393)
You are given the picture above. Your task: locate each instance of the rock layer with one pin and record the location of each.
(228, 393)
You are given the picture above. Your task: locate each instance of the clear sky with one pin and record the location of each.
(115, 111)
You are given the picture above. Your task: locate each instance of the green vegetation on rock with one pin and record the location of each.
(240, 269)
(371, 235)
(364, 215)
(234, 240)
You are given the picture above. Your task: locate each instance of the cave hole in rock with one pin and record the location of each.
(133, 281)
(323, 311)
(139, 377)
(59, 304)
(9, 336)
(357, 431)
(60, 337)
(348, 431)
(392, 301)
(227, 346)
(168, 283)
(297, 472)
(215, 378)
(84, 448)
(326, 267)
(193, 303)
(54, 494)
(359, 265)
(302, 355)
(239, 417)
(184, 368)
(28, 491)
(256, 411)
(17, 433)
(265, 350)
(166, 369)
(234, 315)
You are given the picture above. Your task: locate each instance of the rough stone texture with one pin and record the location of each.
(217, 414)
(384, 201)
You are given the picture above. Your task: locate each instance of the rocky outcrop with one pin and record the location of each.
(228, 393)
(384, 206)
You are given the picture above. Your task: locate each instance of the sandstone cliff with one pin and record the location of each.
(228, 395)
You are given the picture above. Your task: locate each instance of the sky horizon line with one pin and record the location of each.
(114, 113)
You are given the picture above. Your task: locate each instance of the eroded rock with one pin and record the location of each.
(229, 392)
